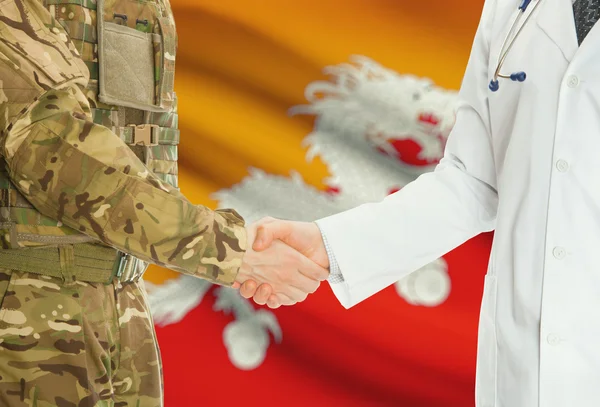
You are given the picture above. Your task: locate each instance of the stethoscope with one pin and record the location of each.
(507, 45)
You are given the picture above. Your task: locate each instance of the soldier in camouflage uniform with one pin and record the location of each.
(89, 197)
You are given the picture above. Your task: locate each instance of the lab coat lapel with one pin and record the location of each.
(555, 18)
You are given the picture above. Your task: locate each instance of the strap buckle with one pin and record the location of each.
(128, 268)
(144, 134)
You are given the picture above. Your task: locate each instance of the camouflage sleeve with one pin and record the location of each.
(81, 173)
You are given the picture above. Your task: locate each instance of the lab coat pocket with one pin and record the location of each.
(485, 382)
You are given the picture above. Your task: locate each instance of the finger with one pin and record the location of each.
(312, 270)
(293, 293)
(263, 293)
(266, 233)
(248, 288)
(294, 272)
(304, 284)
(285, 300)
(274, 302)
(236, 285)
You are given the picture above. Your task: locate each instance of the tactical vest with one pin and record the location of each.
(129, 47)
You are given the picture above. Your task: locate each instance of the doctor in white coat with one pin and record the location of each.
(523, 159)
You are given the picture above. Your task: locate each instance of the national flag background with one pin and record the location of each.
(242, 64)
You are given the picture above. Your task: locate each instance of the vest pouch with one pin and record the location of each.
(126, 67)
(126, 54)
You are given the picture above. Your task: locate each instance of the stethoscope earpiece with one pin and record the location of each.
(494, 85)
(518, 76)
(515, 77)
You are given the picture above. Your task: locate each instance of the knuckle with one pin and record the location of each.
(316, 276)
(265, 220)
(248, 287)
(316, 273)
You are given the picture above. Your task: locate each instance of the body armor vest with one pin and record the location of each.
(129, 47)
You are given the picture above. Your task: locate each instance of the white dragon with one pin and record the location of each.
(376, 130)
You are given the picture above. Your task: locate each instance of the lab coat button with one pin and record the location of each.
(553, 339)
(562, 165)
(572, 81)
(559, 253)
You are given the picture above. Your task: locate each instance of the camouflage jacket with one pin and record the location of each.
(80, 173)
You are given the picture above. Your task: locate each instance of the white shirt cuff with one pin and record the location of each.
(335, 274)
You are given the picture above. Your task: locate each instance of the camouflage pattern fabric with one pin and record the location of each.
(76, 345)
(67, 176)
(79, 173)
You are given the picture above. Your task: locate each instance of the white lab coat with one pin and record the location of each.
(524, 161)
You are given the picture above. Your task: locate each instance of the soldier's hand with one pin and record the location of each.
(286, 276)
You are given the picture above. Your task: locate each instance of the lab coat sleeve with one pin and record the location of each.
(377, 244)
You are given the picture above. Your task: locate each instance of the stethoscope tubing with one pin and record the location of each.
(509, 41)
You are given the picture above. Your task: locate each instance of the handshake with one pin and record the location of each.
(285, 261)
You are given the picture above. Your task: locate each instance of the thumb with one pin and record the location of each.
(263, 240)
(266, 233)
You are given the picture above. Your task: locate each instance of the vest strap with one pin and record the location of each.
(148, 135)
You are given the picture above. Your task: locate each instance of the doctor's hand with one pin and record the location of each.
(305, 237)
(288, 275)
